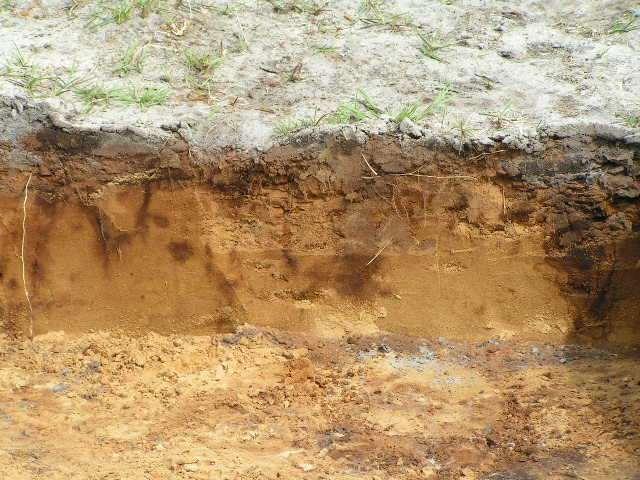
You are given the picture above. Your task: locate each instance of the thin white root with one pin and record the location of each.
(24, 270)
(504, 203)
(435, 177)
(486, 154)
(369, 165)
(379, 252)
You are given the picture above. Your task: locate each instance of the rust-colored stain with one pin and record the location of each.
(181, 251)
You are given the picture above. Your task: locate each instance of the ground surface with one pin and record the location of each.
(265, 404)
(268, 66)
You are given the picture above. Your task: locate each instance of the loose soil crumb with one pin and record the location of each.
(265, 404)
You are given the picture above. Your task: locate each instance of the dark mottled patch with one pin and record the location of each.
(160, 221)
(141, 217)
(349, 274)
(580, 258)
(38, 255)
(480, 310)
(180, 251)
(290, 259)
(234, 313)
(234, 256)
(515, 474)
(37, 271)
(600, 281)
(109, 238)
(520, 211)
(56, 139)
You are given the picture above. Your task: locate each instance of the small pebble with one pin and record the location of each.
(307, 467)
(191, 467)
(59, 388)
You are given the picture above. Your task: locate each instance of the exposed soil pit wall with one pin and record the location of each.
(475, 243)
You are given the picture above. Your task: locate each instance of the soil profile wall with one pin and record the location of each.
(419, 237)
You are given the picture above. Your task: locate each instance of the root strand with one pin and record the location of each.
(24, 270)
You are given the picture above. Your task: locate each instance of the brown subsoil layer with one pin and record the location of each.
(267, 404)
(426, 240)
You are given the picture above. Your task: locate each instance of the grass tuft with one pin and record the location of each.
(101, 96)
(632, 121)
(288, 127)
(414, 111)
(432, 44)
(97, 96)
(147, 6)
(325, 49)
(39, 81)
(464, 130)
(393, 21)
(308, 7)
(628, 22)
(60, 84)
(367, 102)
(349, 112)
(417, 112)
(7, 5)
(202, 67)
(371, 6)
(121, 12)
(291, 126)
(373, 13)
(20, 71)
(132, 60)
(118, 12)
(503, 116)
(19, 60)
(442, 99)
(203, 86)
(146, 97)
(362, 107)
(201, 62)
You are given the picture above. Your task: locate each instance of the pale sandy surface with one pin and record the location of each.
(541, 62)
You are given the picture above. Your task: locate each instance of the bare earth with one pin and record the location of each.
(264, 404)
(418, 212)
(534, 63)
